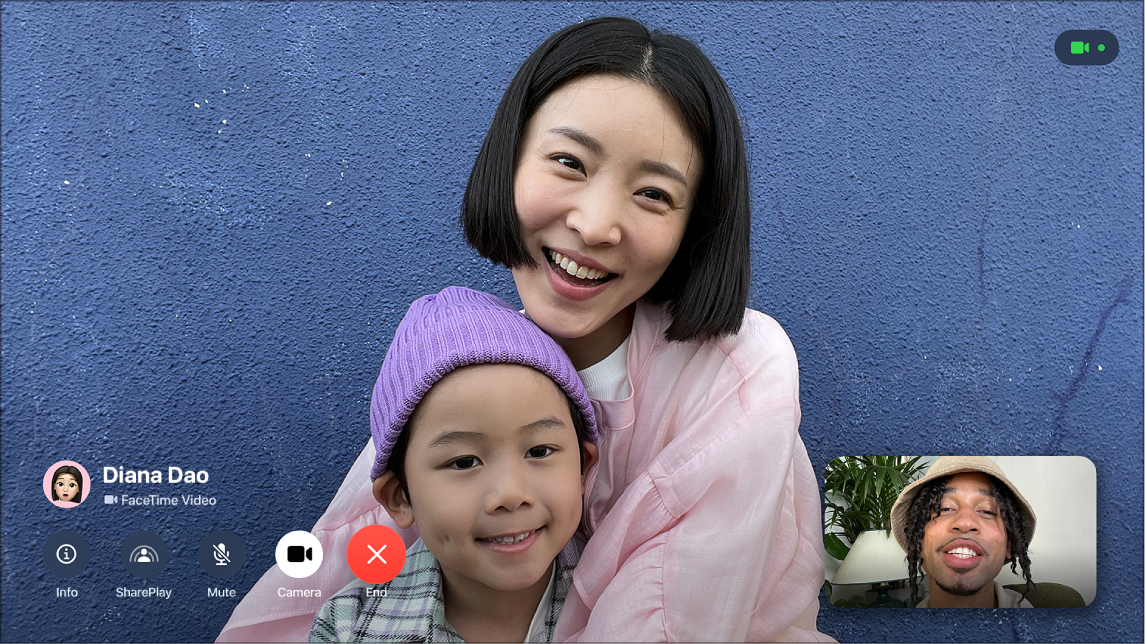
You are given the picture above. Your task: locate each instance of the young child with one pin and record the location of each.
(483, 432)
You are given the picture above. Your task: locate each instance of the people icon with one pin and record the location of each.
(144, 554)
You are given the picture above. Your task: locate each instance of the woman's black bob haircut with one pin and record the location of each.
(706, 284)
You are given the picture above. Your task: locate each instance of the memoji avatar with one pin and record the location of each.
(483, 433)
(66, 483)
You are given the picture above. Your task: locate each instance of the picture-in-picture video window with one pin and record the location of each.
(310, 310)
(960, 531)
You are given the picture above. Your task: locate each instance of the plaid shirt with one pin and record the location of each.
(412, 609)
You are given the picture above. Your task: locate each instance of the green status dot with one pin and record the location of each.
(1102, 48)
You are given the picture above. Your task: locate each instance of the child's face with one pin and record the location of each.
(66, 487)
(493, 456)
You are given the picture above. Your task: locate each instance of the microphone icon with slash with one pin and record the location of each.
(221, 554)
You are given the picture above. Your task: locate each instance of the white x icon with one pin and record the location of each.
(377, 553)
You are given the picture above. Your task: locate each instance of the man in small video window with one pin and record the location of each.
(961, 523)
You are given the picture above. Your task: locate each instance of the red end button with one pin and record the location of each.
(376, 554)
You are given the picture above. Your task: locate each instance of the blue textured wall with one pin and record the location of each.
(215, 214)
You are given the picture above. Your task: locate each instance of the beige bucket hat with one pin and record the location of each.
(946, 466)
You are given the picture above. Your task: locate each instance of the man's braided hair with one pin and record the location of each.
(925, 506)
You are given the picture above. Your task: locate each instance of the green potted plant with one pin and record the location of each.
(859, 492)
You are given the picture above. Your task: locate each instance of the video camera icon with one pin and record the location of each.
(299, 554)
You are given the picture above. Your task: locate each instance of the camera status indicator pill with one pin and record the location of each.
(299, 554)
(1086, 47)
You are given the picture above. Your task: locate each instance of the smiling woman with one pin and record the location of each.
(659, 124)
(619, 151)
(613, 183)
(606, 180)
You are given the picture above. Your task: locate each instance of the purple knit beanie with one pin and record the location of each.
(452, 329)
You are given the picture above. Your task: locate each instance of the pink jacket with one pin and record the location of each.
(704, 508)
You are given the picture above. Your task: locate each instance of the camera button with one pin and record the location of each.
(299, 554)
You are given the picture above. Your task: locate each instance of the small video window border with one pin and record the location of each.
(865, 565)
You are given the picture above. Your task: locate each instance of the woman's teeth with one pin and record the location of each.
(571, 267)
(506, 541)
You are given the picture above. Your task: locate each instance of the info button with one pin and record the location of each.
(67, 554)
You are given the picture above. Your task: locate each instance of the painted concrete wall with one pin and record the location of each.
(215, 214)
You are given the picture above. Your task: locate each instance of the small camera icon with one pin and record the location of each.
(297, 554)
